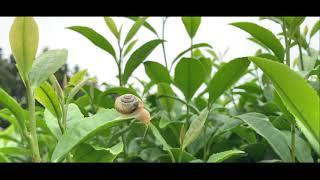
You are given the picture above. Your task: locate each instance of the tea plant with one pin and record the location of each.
(261, 108)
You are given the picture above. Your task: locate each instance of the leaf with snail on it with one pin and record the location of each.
(138, 56)
(96, 38)
(222, 156)
(89, 127)
(188, 76)
(195, 128)
(226, 76)
(300, 99)
(157, 72)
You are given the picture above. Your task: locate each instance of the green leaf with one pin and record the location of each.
(88, 128)
(78, 77)
(222, 156)
(166, 103)
(297, 95)
(89, 153)
(207, 66)
(18, 151)
(129, 47)
(3, 158)
(303, 151)
(191, 24)
(138, 57)
(195, 128)
(24, 38)
(293, 24)
(134, 29)
(112, 26)
(10, 103)
(188, 76)
(157, 72)
(264, 36)
(45, 65)
(96, 38)
(261, 125)
(194, 46)
(226, 76)
(46, 96)
(117, 90)
(186, 157)
(52, 124)
(315, 29)
(145, 24)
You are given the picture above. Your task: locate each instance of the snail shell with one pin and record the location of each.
(131, 106)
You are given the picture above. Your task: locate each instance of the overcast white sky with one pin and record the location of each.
(213, 30)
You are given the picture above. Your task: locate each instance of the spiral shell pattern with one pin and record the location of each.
(127, 103)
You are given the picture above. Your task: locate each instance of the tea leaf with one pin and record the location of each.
(261, 125)
(24, 38)
(89, 127)
(112, 26)
(15, 151)
(46, 96)
(191, 24)
(166, 103)
(290, 85)
(157, 72)
(195, 128)
(134, 29)
(222, 156)
(8, 102)
(130, 46)
(226, 76)
(45, 65)
(264, 36)
(96, 38)
(145, 24)
(77, 78)
(186, 157)
(138, 57)
(315, 28)
(188, 76)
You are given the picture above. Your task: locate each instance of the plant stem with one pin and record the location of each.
(119, 63)
(191, 47)
(32, 124)
(301, 58)
(162, 43)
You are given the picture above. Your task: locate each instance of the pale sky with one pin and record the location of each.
(213, 30)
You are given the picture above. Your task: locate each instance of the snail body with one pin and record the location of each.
(129, 105)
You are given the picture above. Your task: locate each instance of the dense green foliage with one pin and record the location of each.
(260, 108)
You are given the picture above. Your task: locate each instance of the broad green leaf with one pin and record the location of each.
(78, 77)
(186, 157)
(264, 36)
(145, 24)
(129, 47)
(159, 137)
(10, 103)
(52, 123)
(226, 76)
(222, 156)
(134, 29)
(89, 127)
(138, 57)
(261, 125)
(157, 72)
(96, 38)
(24, 38)
(46, 96)
(195, 128)
(297, 95)
(45, 65)
(18, 151)
(281, 106)
(188, 76)
(303, 151)
(207, 66)
(112, 26)
(315, 29)
(89, 153)
(194, 46)
(166, 103)
(191, 24)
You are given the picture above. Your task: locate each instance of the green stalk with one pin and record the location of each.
(162, 43)
(301, 58)
(32, 124)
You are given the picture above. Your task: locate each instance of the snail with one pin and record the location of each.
(131, 106)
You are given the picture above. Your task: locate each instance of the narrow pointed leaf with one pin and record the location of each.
(315, 28)
(145, 24)
(134, 29)
(191, 25)
(112, 26)
(222, 156)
